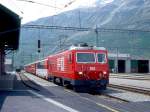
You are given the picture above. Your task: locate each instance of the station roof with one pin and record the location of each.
(9, 29)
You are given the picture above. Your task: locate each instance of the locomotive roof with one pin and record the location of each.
(86, 48)
(78, 48)
(71, 48)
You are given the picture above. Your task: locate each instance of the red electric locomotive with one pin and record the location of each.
(80, 66)
(83, 67)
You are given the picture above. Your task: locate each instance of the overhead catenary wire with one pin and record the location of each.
(31, 1)
(83, 28)
(17, 7)
(73, 29)
(55, 7)
(69, 3)
(86, 29)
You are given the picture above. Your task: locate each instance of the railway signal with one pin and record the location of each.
(39, 46)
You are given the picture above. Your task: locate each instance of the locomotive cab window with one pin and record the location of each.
(101, 58)
(85, 58)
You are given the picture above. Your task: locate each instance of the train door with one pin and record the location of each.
(143, 66)
(134, 66)
(121, 66)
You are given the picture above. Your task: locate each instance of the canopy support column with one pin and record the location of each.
(2, 61)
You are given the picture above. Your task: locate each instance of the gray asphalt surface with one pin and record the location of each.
(20, 99)
(58, 99)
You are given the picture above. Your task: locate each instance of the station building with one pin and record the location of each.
(125, 63)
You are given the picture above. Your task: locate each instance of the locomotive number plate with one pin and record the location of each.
(92, 68)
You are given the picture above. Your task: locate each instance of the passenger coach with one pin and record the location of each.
(38, 68)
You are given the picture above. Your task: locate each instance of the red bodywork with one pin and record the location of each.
(64, 65)
(31, 68)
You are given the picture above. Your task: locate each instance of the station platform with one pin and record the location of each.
(7, 81)
(140, 81)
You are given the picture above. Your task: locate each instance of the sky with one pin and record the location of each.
(32, 11)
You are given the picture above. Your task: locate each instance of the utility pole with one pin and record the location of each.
(22, 61)
(2, 59)
(13, 53)
(132, 45)
(117, 60)
(39, 46)
(97, 41)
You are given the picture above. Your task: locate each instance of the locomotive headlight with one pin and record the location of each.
(100, 75)
(80, 73)
(104, 72)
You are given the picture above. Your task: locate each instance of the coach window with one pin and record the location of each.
(40, 65)
(101, 58)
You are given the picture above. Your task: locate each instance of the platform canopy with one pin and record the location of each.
(9, 29)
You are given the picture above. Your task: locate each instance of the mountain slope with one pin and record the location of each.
(120, 14)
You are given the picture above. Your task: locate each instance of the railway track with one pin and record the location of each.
(34, 86)
(27, 82)
(132, 89)
(109, 94)
(114, 97)
(131, 76)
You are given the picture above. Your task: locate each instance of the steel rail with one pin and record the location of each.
(129, 88)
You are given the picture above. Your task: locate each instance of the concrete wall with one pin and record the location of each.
(128, 66)
(116, 65)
